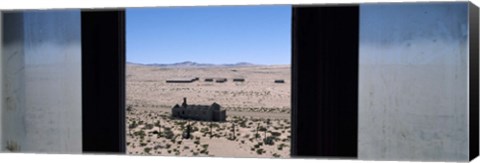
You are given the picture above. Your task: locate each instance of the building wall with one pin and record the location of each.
(42, 81)
(413, 82)
(199, 114)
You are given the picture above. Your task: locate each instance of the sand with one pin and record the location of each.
(256, 108)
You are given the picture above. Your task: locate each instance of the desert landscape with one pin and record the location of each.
(257, 110)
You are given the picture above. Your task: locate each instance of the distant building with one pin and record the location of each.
(279, 81)
(184, 80)
(238, 79)
(213, 112)
(221, 80)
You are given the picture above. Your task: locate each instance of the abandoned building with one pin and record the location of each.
(213, 112)
(238, 79)
(221, 80)
(183, 80)
(279, 81)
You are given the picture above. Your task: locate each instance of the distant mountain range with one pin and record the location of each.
(195, 65)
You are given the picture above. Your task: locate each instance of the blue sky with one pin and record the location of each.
(222, 34)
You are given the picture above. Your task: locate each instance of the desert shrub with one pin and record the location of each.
(147, 150)
(194, 129)
(243, 124)
(261, 128)
(269, 140)
(204, 130)
(275, 134)
(260, 151)
(180, 123)
(215, 125)
(129, 108)
(133, 125)
(168, 134)
(281, 146)
(140, 133)
(157, 124)
(148, 126)
(204, 151)
(276, 155)
(205, 146)
(143, 144)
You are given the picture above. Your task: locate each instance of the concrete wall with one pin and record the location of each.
(42, 81)
(413, 82)
(13, 80)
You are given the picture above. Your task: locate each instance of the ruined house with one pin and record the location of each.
(213, 112)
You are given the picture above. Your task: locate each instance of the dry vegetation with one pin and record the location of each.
(258, 112)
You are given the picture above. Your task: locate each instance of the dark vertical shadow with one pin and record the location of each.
(325, 81)
(103, 81)
(473, 83)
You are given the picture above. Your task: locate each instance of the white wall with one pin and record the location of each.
(413, 82)
(43, 83)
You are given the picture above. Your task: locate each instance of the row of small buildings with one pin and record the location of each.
(217, 80)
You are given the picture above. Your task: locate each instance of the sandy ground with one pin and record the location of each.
(256, 109)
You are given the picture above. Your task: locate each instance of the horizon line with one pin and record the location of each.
(241, 62)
